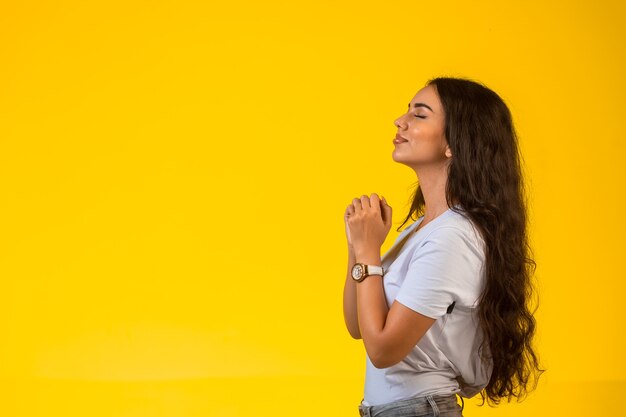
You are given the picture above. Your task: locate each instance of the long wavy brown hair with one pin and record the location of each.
(485, 178)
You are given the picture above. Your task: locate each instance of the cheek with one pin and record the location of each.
(423, 150)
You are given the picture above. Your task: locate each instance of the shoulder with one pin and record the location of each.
(457, 230)
(446, 266)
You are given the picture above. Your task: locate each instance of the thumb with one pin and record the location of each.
(386, 211)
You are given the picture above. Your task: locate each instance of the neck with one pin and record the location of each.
(432, 181)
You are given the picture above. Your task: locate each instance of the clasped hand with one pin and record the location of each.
(368, 221)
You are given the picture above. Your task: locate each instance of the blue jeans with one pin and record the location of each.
(428, 406)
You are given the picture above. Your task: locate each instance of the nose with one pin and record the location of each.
(399, 122)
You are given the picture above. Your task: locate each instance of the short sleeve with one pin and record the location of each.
(440, 270)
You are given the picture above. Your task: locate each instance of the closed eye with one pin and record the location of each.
(421, 117)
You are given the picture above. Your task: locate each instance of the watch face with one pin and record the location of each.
(357, 271)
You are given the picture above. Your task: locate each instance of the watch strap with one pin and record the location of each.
(374, 270)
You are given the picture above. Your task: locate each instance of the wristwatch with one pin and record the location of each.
(362, 271)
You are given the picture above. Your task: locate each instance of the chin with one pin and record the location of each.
(404, 161)
(398, 158)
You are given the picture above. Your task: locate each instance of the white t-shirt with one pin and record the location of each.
(440, 264)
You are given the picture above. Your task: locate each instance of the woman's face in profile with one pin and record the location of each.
(421, 140)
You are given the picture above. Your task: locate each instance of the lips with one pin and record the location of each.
(399, 139)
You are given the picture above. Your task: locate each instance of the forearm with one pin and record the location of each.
(372, 309)
(368, 221)
(349, 299)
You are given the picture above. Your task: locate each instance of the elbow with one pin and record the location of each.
(383, 359)
(356, 336)
(382, 362)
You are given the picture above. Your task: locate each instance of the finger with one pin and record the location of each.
(349, 210)
(386, 212)
(356, 203)
(365, 201)
(375, 202)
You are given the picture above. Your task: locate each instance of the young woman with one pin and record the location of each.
(445, 311)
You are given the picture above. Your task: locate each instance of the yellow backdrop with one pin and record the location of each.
(174, 176)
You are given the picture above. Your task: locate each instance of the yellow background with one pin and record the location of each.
(174, 176)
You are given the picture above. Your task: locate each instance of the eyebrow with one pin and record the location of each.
(421, 105)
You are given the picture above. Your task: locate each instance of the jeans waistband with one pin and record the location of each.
(428, 402)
